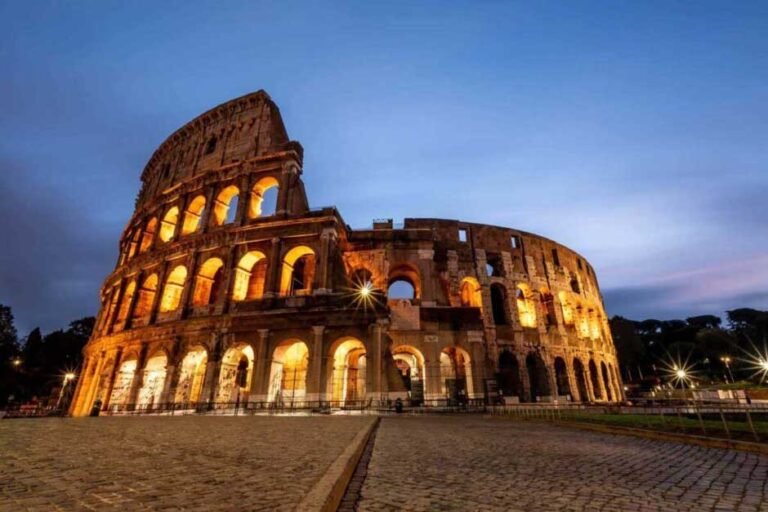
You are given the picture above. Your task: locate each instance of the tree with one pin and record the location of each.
(9, 354)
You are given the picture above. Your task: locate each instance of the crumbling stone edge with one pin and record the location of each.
(327, 493)
(709, 442)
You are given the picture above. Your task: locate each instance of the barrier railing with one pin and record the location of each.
(745, 422)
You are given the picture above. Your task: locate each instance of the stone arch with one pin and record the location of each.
(456, 374)
(168, 225)
(538, 377)
(125, 304)
(561, 377)
(581, 379)
(404, 273)
(148, 236)
(146, 297)
(606, 381)
(595, 380)
(208, 282)
(509, 374)
(193, 215)
(526, 311)
(499, 304)
(257, 207)
(471, 293)
(174, 285)
(189, 388)
(236, 374)
(298, 271)
(348, 380)
(121, 388)
(225, 205)
(409, 362)
(153, 380)
(288, 374)
(250, 276)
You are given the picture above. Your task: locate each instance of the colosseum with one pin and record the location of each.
(230, 291)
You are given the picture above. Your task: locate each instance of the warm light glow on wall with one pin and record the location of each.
(154, 380)
(249, 277)
(257, 196)
(192, 215)
(146, 297)
(149, 235)
(471, 293)
(190, 385)
(223, 203)
(289, 262)
(565, 304)
(168, 226)
(174, 285)
(205, 281)
(525, 308)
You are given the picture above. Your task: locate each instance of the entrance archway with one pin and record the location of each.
(538, 377)
(192, 376)
(595, 380)
(235, 375)
(151, 390)
(123, 380)
(288, 375)
(581, 379)
(456, 374)
(348, 380)
(606, 381)
(509, 374)
(561, 377)
(410, 366)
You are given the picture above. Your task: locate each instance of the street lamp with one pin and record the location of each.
(16, 362)
(727, 361)
(69, 376)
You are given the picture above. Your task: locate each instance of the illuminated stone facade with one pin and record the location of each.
(229, 290)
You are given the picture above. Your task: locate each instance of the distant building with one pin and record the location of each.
(230, 290)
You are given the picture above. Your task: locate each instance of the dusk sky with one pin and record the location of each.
(635, 133)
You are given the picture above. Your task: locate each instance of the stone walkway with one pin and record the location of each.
(476, 463)
(162, 463)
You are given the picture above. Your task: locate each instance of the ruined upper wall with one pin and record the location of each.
(241, 129)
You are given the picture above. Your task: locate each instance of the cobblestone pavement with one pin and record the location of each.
(162, 463)
(476, 463)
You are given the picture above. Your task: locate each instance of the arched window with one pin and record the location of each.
(499, 304)
(125, 304)
(168, 226)
(174, 285)
(404, 283)
(225, 206)
(471, 293)
(263, 198)
(192, 215)
(115, 296)
(606, 381)
(561, 377)
(146, 297)
(526, 311)
(298, 271)
(509, 374)
(210, 146)
(595, 379)
(208, 282)
(149, 234)
(538, 376)
(134, 243)
(581, 380)
(250, 276)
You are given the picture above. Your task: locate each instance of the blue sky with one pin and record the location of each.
(633, 132)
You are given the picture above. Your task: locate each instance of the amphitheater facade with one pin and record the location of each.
(231, 291)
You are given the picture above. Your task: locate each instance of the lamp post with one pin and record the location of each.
(727, 361)
(67, 378)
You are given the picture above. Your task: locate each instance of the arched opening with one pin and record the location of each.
(208, 282)
(471, 293)
(113, 303)
(191, 377)
(566, 308)
(174, 286)
(509, 374)
(121, 389)
(348, 382)
(606, 381)
(125, 304)
(538, 377)
(410, 366)
(151, 390)
(193, 215)
(225, 206)
(561, 377)
(403, 284)
(526, 311)
(499, 304)
(250, 276)
(263, 198)
(548, 307)
(168, 225)
(134, 243)
(148, 237)
(456, 374)
(595, 380)
(581, 380)
(288, 375)
(298, 271)
(235, 376)
(146, 297)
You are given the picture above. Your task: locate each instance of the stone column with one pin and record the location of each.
(229, 278)
(112, 375)
(241, 217)
(172, 374)
(93, 380)
(321, 284)
(314, 382)
(425, 274)
(134, 299)
(113, 314)
(272, 285)
(185, 302)
(477, 362)
(290, 169)
(205, 219)
(376, 346)
(183, 203)
(138, 377)
(212, 371)
(260, 381)
(525, 382)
